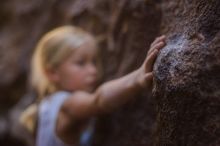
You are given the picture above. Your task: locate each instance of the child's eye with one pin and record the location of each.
(94, 61)
(80, 62)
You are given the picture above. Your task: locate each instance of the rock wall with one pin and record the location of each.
(187, 75)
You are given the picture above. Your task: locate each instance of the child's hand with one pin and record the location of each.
(145, 75)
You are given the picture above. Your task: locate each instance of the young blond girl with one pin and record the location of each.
(64, 73)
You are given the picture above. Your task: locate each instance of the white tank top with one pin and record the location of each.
(47, 116)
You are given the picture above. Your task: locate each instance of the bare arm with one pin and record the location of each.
(115, 93)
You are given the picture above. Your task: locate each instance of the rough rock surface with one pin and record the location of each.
(187, 75)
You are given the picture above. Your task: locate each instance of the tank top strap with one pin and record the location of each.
(53, 104)
(48, 111)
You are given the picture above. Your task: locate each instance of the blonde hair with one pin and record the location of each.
(51, 50)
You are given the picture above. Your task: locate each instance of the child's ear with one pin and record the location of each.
(52, 75)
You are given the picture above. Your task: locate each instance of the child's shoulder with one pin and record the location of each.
(53, 102)
(56, 97)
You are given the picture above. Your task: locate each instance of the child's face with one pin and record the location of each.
(79, 70)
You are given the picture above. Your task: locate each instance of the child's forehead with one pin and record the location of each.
(87, 49)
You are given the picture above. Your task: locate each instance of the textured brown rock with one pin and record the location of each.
(188, 75)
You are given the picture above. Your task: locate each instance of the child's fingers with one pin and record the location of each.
(150, 60)
(157, 46)
(158, 39)
(150, 50)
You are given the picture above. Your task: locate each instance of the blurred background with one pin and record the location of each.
(123, 28)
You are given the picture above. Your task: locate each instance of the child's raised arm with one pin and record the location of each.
(115, 93)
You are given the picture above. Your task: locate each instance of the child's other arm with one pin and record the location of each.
(115, 93)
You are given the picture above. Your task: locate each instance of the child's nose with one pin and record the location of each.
(92, 69)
